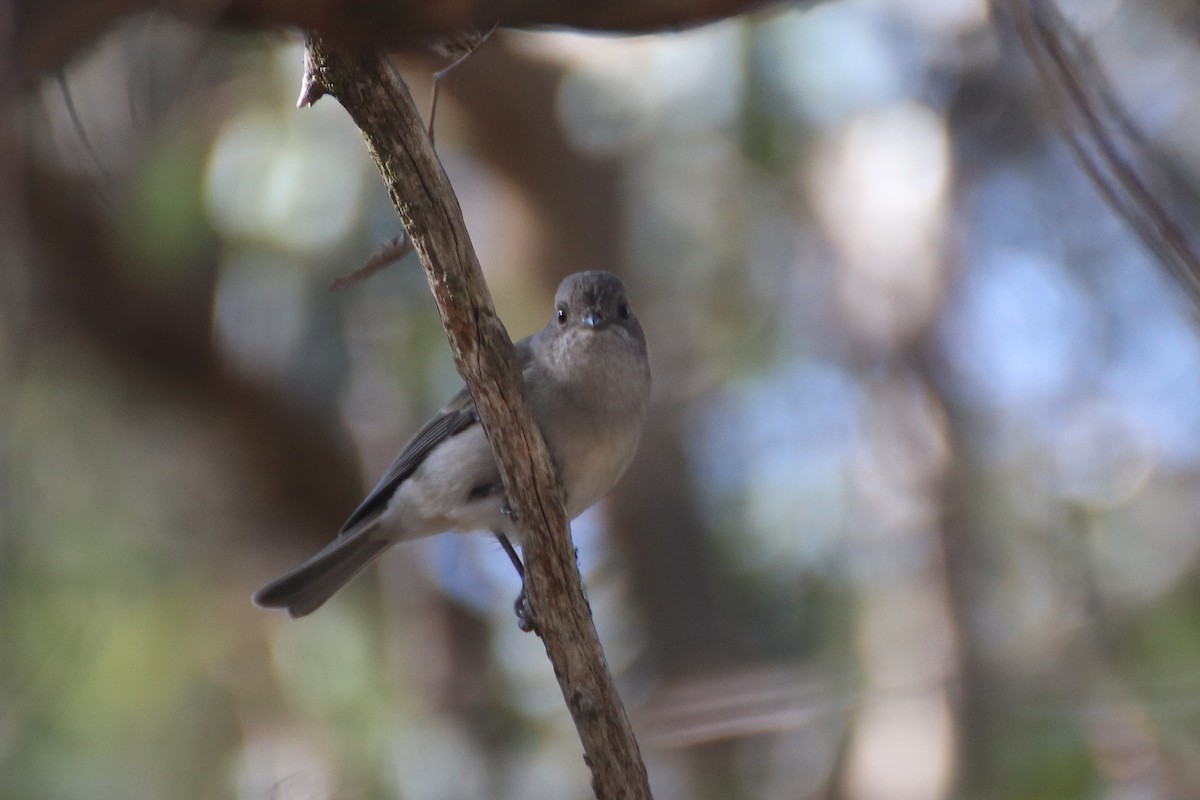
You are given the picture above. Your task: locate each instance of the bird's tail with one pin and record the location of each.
(307, 587)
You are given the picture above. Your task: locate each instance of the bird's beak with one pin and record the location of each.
(595, 319)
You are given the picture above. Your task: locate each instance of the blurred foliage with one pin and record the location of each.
(915, 516)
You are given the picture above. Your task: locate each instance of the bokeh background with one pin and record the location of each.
(915, 515)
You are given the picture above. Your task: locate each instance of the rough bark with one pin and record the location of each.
(370, 89)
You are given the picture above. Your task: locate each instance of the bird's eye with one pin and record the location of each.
(623, 311)
(561, 316)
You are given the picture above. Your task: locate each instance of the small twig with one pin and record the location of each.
(392, 251)
(311, 88)
(105, 178)
(459, 47)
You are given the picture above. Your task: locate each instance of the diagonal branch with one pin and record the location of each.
(1130, 172)
(371, 90)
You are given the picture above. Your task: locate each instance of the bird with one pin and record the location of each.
(587, 379)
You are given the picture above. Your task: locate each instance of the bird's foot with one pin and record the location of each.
(526, 620)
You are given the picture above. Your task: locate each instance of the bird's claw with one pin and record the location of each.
(526, 620)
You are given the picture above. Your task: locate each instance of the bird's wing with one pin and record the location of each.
(457, 415)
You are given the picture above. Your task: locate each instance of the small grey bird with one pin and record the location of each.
(588, 381)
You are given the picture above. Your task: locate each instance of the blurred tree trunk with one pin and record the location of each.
(301, 470)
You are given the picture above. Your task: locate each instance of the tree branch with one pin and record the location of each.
(50, 31)
(370, 89)
(1133, 175)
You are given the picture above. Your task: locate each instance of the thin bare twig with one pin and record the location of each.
(103, 178)
(392, 251)
(458, 47)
